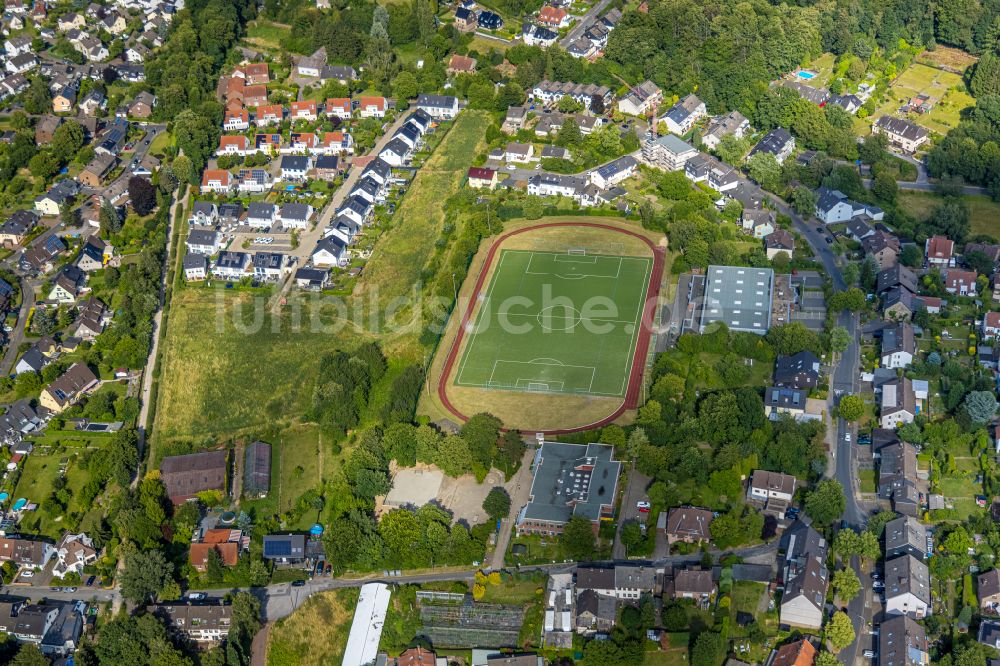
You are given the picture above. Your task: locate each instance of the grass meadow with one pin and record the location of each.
(316, 633)
(984, 212)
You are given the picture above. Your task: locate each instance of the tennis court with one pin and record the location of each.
(556, 322)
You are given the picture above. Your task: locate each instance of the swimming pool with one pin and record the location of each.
(803, 74)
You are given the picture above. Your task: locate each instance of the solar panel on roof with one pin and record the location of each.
(276, 548)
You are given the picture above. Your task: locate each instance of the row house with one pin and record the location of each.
(269, 114)
(304, 111)
(550, 92)
(338, 107)
(682, 116)
(216, 181)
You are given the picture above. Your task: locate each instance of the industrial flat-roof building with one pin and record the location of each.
(738, 296)
(366, 630)
(569, 480)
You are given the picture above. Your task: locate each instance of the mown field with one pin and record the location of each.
(231, 368)
(984, 212)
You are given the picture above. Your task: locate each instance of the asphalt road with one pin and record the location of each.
(577, 30)
(845, 373)
(17, 335)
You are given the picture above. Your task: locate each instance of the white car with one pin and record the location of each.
(868, 654)
(847, 437)
(642, 505)
(27, 574)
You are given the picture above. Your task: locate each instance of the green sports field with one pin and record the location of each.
(556, 322)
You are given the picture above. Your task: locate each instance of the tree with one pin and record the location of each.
(577, 539)
(481, 433)
(851, 407)
(790, 339)
(405, 86)
(145, 573)
(846, 584)
(30, 655)
(765, 170)
(839, 339)
(826, 659)
(37, 100)
(852, 299)
(631, 534)
(214, 568)
(911, 256)
(840, 631)
(884, 186)
(67, 140)
(709, 649)
(142, 194)
(980, 406)
(826, 503)
(804, 201)
(497, 503)
(111, 220)
(182, 168)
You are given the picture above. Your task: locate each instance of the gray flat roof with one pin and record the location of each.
(738, 296)
(572, 480)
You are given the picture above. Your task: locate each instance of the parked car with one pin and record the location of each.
(868, 654)
(71, 590)
(643, 506)
(298, 583)
(27, 574)
(90, 581)
(197, 596)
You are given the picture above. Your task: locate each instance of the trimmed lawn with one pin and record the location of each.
(160, 143)
(966, 487)
(944, 88)
(867, 477)
(984, 212)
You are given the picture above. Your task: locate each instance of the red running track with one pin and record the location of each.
(642, 344)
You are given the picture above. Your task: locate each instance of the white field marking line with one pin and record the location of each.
(575, 259)
(479, 314)
(542, 361)
(636, 325)
(557, 257)
(600, 320)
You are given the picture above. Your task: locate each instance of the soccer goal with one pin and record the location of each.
(579, 251)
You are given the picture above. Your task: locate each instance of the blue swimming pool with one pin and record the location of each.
(803, 74)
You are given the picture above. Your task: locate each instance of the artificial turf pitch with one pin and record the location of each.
(556, 322)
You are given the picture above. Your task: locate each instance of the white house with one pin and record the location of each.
(901, 133)
(683, 115)
(232, 265)
(295, 167)
(440, 107)
(330, 251)
(261, 215)
(765, 485)
(907, 587)
(614, 172)
(991, 325)
(295, 215)
(898, 345)
(74, 552)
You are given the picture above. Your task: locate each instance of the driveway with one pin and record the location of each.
(520, 493)
(635, 492)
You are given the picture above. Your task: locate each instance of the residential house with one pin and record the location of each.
(460, 64)
(439, 107)
(534, 35)
(205, 242)
(305, 110)
(991, 325)
(26, 623)
(67, 285)
(92, 255)
(805, 577)
(759, 222)
(940, 251)
(901, 133)
(683, 115)
(68, 388)
(217, 181)
(232, 265)
(337, 142)
(883, 246)
(206, 623)
(553, 17)
(772, 489)
(898, 345)
(550, 92)
(25, 552)
(960, 282)
(21, 64)
(667, 152)
(692, 584)
(465, 19)
(142, 105)
(295, 215)
(595, 612)
(187, 475)
(897, 479)
(73, 553)
(688, 524)
(312, 278)
(988, 591)
(94, 101)
(519, 152)
(639, 100)
(253, 181)
(902, 642)
(330, 251)
(63, 101)
(817, 96)
(269, 114)
(32, 361)
(898, 404)
(490, 20)
(372, 107)
(285, 548)
(254, 73)
(569, 480)
(989, 634)
(295, 167)
(311, 65)
(480, 177)
(798, 371)
(777, 242)
(906, 535)
(613, 172)
(195, 266)
(269, 266)
(779, 400)
(60, 195)
(91, 319)
(907, 587)
(777, 142)
(338, 107)
(97, 170)
(796, 653)
(718, 175)
(236, 144)
(15, 228)
(396, 152)
(45, 127)
(327, 167)
(833, 206)
(733, 123)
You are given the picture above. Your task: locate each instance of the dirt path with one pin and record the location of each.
(520, 491)
(258, 648)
